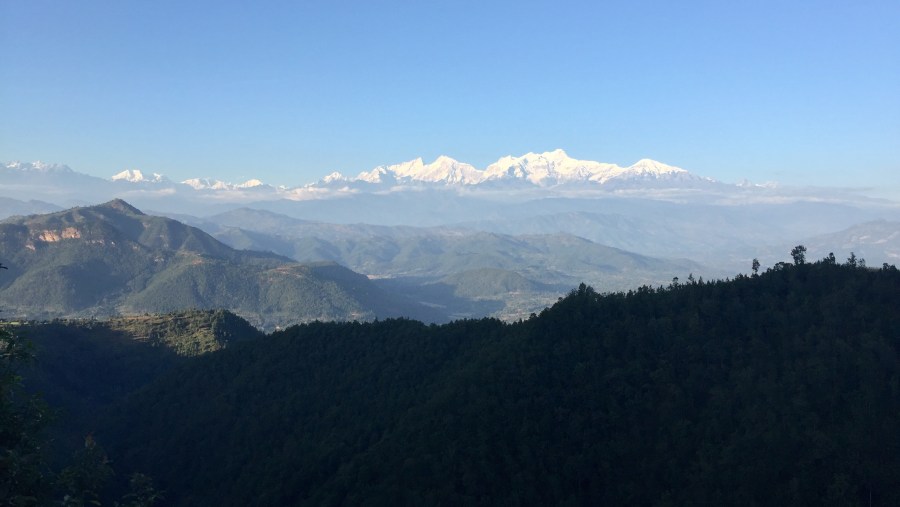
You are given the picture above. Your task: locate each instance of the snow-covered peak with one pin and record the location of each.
(38, 166)
(406, 169)
(545, 169)
(443, 170)
(648, 166)
(334, 178)
(136, 176)
(206, 184)
(211, 184)
(253, 183)
(374, 176)
(549, 168)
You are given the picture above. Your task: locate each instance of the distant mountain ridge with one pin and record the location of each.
(112, 259)
(384, 194)
(541, 169)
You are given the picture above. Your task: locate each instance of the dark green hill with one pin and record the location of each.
(84, 366)
(112, 259)
(780, 389)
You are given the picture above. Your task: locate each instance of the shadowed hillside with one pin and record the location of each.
(780, 389)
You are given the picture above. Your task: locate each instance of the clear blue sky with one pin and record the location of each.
(794, 91)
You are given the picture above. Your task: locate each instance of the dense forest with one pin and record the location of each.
(780, 388)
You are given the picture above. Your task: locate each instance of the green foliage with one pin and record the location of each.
(83, 481)
(779, 389)
(188, 332)
(25, 477)
(798, 253)
(23, 417)
(142, 492)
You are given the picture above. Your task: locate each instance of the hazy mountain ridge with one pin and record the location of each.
(14, 207)
(434, 264)
(111, 259)
(722, 238)
(554, 243)
(656, 211)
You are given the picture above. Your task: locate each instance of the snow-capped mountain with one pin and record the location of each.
(36, 167)
(541, 169)
(538, 171)
(136, 176)
(211, 184)
(529, 176)
(443, 170)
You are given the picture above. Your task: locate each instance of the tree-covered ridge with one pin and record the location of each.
(776, 389)
(187, 332)
(26, 475)
(84, 366)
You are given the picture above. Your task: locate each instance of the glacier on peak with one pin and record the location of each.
(206, 184)
(646, 165)
(252, 183)
(38, 166)
(542, 169)
(211, 184)
(334, 178)
(373, 176)
(136, 176)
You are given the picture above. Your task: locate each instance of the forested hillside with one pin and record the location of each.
(777, 389)
(85, 366)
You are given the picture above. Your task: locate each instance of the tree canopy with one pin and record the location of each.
(780, 389)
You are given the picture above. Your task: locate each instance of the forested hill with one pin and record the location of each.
(777, 389)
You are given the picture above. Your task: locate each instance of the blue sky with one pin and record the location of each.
(796, 92)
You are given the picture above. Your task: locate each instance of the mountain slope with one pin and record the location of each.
(436, 265)
(111, 258)
(84, 366)
(876, 241)
(441, 251)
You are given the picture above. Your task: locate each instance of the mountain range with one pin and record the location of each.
(542, 169)
(547, 173)
(432, 222)
(113, 259)
(276, 270)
